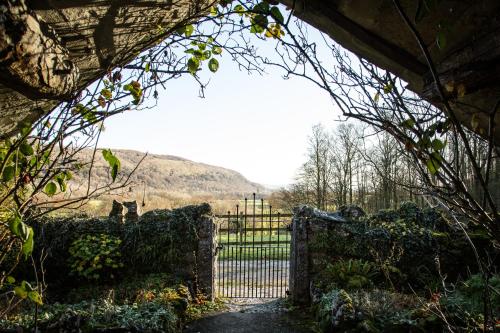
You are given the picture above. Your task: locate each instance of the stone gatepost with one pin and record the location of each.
(133, 211)
(117, 212)
(307, 225)
(206, 256)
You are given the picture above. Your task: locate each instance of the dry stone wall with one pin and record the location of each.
(180, 242)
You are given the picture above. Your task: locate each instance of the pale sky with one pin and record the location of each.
(256, 125)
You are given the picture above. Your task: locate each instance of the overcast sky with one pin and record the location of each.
(256, 125)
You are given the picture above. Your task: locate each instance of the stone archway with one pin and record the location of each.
(90, 39)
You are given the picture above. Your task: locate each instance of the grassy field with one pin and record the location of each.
(254, 237)
(254, 246)
(255, 253)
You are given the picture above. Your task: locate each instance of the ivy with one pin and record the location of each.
(94, 257)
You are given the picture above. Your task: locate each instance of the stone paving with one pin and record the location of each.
(253, 315)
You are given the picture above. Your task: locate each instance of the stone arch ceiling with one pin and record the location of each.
(101, 34)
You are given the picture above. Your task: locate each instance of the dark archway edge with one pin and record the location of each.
(371, 29)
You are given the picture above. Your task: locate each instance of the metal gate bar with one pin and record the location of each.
(251, 263)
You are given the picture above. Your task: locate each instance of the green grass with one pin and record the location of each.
(258, 237)
(256, 253)
(257, 249)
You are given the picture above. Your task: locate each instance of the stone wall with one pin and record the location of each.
(419, 246)
(180, 242)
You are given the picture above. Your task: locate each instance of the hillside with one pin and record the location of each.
(168, 178)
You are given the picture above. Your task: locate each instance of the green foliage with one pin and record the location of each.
(161, 242)
(213, 65)
(135, 90)
(23, 231)
(88, 114)
(113, 161)
(335, 306)
(350, 274)
(468, 298)
(374, 311)
(205, 50)
(50, 189)
(402, 244)
(95, 257)
(24, 290)
(89, 316)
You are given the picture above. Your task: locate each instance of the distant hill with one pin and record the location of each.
(169, 176)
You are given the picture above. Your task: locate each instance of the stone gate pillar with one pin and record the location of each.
(299, 262)
(207, 255)
(307, 225)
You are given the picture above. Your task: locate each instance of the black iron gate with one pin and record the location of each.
(254, 251)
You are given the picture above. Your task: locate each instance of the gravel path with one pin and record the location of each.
(252, 278)
(253, 315)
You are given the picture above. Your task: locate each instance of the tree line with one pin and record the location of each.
(352, 163)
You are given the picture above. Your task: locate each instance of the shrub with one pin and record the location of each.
(95, 257)
(88, 316)
(409, 211)
(350, 274)
(374, 311)
(468, 298)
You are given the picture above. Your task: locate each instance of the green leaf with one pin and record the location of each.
(20, 292)
(213, 11)
(262, 7)
(216, 50)
(8, 173)
(62, 184)
(408, 123)
(213, 65)
(432, 166)
(35, 297)
(89, 116)
(28, 244)
(388, 88)
(276, 13)
(259, 24)
(438, 144)
(26, 149)
(189, 30)
(10, 279)
(113, 162)
(147, 67)
(106, 93)
(198, 54)
(193, 65)
(25, 128)
(14, 223)
(50, 189)
(239, 9)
